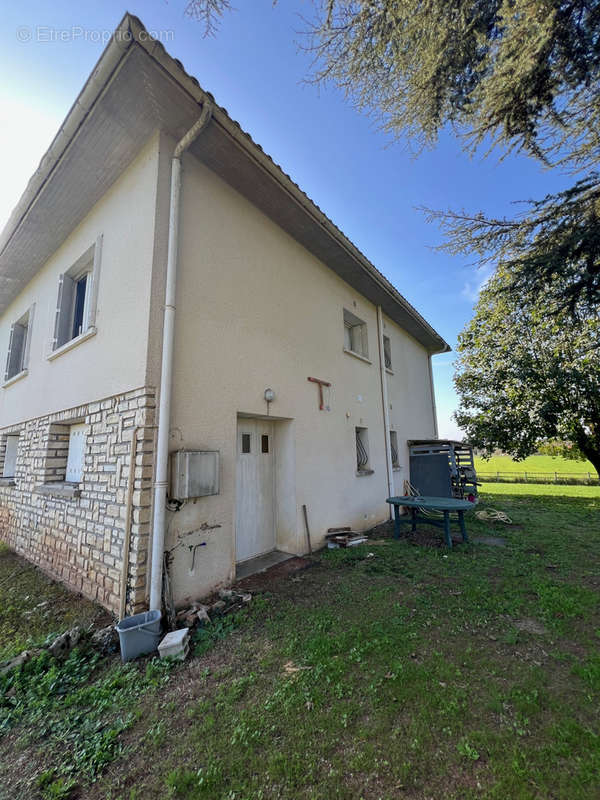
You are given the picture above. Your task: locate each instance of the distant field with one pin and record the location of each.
(534, 464)
(539, 489)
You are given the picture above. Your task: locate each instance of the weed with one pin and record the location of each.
(156, 733)
(53, 788)
(467, 750)
(77, 707)
(589, 671)
(205, 638)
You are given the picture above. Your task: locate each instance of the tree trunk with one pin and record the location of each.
(594, 458)
(589, 447)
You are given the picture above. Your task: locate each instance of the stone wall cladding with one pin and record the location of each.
(79, 541)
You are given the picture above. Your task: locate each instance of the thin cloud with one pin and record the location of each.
(473, 287)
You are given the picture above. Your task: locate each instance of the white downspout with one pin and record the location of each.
(164, 409)
(433, 403)
(386, 407)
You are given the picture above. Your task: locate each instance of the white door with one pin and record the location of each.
(255, 489)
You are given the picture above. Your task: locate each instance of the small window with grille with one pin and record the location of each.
(362, 452)
(387, 352)
(394, 449)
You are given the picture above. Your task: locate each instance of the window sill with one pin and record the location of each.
(83, 337)
(7, 481)
(23, 374)
(362, 473)
(389, 371)
(357, 355)
(63, 489)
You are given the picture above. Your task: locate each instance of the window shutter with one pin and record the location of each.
(15, 355)
(77, 439)
(64, 305)
(57, 312)
(93, 289)
(10, 457)
(10, 345)
(18, 348)
(27, 347)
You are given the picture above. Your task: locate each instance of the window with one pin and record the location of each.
(10, 456)
(76, 454)
(80, 301)
(355, 335)
(64, 458)
(265, 443)
(387, 352)
(394, 449)
(76, 304)
(246, 442)
(18, 345)
(362, 452)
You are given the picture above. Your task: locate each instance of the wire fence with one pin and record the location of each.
(561, 478)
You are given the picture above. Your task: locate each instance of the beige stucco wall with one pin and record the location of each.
(410, 395)
(256, 310)
(114, 360)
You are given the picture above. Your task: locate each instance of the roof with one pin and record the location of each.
(136, 88)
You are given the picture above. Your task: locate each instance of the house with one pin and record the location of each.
(194, 351)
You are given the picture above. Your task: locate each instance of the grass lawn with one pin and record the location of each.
(535, 464)
(33, 608)
(537, 490)
(394, 670)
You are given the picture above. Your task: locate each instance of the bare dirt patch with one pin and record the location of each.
(530, 625)
(266, 580)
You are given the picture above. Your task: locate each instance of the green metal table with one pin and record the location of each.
(447, 505)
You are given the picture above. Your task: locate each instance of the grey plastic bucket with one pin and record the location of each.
(139, 634)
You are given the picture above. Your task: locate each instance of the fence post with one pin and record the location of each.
(556, 477)
(525, 477)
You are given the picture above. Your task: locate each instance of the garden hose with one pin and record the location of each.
(492, 515)
(485, 515)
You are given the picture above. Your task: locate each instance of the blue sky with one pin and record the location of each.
(367, 184)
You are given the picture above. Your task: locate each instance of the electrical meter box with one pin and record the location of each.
(194, 473)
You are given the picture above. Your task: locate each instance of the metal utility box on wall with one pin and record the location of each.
(194, 473)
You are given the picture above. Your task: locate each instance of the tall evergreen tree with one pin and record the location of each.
(521, 75)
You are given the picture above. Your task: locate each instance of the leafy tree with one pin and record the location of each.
(528, 372)
(520, 74)
(566, 450)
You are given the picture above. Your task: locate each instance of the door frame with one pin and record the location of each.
(273, 456)
(286, 520)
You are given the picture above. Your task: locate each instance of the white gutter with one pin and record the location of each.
(386, 407)
(164, 409)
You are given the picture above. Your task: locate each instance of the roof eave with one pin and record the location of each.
(174, 67)
(131, 31)
(111, 57)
